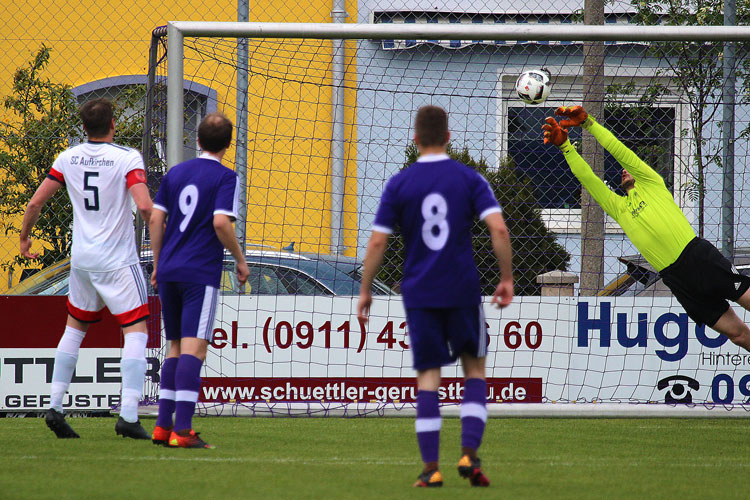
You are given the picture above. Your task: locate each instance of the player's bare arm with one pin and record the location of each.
(225, 232)
(44, 192)
(156, 230)
(142, 200)
(500, 238)
(373, 258)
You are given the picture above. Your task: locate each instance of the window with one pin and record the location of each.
(556, 187)
(651, 132)
(263, 280)
(650, 136)
(199, 101)
(298, 283)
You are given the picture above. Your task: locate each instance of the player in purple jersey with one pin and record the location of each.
(435, 202)
(198, 201)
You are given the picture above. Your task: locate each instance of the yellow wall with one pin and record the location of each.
(289, 123)
(290, 147)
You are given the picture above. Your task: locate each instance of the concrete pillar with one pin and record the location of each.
(557, 283)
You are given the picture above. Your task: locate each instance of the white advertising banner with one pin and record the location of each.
(294, 349)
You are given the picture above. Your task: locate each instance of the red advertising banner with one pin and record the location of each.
(38, 322)
(357, 390)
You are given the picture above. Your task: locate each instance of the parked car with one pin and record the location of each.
(640, 279)
(271, 273)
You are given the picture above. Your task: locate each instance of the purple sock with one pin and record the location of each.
(166, 393)
(428, 425)
(473, 413)
(187, 385)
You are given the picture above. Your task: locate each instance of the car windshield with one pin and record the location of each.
(268, 279)
(635, 289)
(638, 278)
(55, 276)
(58, 285)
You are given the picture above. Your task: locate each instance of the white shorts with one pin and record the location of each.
(123, 291)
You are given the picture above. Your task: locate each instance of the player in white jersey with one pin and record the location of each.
(101, 177)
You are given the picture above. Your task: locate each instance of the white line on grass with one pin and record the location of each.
(371, 461)
(300, 461)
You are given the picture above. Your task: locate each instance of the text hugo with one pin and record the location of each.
(638, 336)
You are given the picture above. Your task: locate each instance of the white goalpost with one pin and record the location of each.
(327, 125)
(177, 30)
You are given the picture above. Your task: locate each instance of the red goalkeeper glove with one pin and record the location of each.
(575, 115)
(553, 133)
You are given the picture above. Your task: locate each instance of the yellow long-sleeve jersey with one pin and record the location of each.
(648, 214)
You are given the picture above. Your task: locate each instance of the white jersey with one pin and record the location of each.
(95, 175)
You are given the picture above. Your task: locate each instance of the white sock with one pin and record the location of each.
(65, 366)
(66, 358)
(133, 369)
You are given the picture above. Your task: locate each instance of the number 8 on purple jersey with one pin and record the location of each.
(435, 202)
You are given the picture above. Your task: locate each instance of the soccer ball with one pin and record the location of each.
(533, 86)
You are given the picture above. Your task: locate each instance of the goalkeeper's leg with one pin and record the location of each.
(732, 326)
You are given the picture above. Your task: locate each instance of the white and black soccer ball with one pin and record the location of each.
(533, 86)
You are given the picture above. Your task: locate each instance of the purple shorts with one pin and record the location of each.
(188, 309)
(439, 336)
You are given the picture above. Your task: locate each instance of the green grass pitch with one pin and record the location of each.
(378, 458)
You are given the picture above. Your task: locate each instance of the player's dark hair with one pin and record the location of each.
(96, 116)
(215, 132)
(431, 126)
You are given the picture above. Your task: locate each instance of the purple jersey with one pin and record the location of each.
(435, 202)
(191, 194)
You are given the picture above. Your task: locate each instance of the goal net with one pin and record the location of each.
(324, 117)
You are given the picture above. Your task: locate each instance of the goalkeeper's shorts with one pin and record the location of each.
(702, 280)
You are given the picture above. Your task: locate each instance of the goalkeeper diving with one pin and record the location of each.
(698, 275)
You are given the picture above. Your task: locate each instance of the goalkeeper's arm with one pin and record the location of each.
(555, 134)
(577, 116)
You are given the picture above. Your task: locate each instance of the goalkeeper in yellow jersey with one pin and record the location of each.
(698, 275)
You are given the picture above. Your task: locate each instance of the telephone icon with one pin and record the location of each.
(677, 393)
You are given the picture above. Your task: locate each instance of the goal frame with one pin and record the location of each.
(178, 30)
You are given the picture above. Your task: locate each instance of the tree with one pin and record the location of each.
(535, 250)
(43, 120)
(129, 106)
(695, 69)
